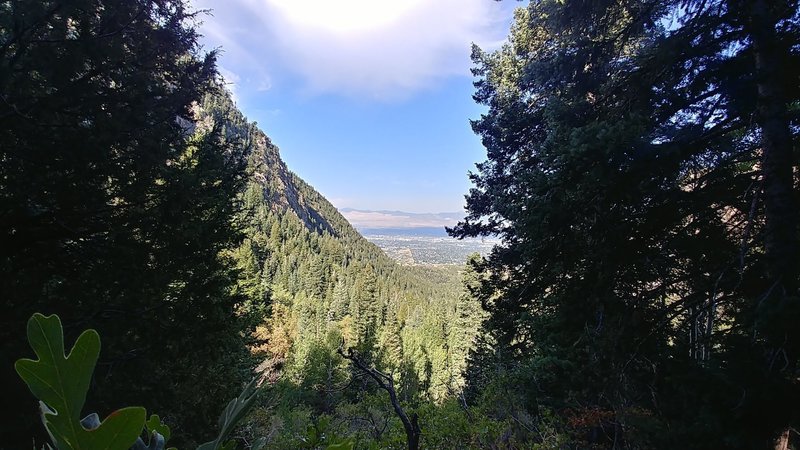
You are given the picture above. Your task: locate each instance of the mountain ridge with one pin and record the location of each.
(369, 219)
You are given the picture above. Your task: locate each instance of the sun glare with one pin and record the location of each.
(344, 16)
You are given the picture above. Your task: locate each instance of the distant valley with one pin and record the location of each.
(416, 238)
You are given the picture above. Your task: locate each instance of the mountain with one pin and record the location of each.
(318, 282)
(420, 232)
(368, 219)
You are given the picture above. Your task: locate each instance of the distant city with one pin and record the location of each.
(421, 246)
(417, 238)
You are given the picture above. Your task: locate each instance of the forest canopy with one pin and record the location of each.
(640, 172)
(113, 211)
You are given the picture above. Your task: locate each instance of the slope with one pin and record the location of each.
(318, 281)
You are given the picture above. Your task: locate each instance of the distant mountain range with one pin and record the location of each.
(407, 231)
(392, 222)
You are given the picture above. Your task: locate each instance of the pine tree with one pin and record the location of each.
(364, 308)
(115, 207)
(339, 301)
(462, 329)
(391, 342)
(623, 174)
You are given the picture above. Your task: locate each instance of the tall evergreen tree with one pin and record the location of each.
(639, 172)
(391, 343)
(115, 208)
(467, 317)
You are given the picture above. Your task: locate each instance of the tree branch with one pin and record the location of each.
(411, 425)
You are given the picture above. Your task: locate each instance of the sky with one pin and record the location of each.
(369, 101)
(397, 219)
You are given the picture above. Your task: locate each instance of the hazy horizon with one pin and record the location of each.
(387, 219)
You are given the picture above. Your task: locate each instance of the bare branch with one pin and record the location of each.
(411, 425)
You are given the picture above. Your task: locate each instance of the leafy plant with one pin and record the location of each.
(61, 381)
(234, 413)
(320, 435)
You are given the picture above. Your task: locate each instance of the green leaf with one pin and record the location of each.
(259, 444)
(117, 432)
(61, 383)
(155, 424)
(233, 413)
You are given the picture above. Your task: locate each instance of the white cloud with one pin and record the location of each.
(363, 48)
(264, 85)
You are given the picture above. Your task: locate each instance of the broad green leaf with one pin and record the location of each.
(230, 445)
(233, 413)
(117, 432)
(61, 383)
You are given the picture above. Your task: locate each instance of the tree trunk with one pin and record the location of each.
(781, 238)
(781, 221)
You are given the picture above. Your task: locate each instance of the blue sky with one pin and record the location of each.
(368, 100)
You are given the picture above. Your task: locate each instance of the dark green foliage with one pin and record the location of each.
(629, 169)
(114, 209)
(230, 418)
(61, 381)
(641, 171)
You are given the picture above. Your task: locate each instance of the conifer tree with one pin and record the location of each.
(633, 175)
(391, 342)
(464, 324)
(116, 207)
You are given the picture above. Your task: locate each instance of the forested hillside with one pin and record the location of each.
(641, 176)
(323, 282)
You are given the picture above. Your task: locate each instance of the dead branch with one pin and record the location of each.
(411, 425)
